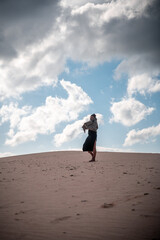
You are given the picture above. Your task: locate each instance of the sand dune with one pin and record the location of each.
(60, 195)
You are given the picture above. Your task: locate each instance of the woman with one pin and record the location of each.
(90, 142)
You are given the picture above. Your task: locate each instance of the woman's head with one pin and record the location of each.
(93, 117)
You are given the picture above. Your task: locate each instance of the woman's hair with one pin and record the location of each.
(93, 115)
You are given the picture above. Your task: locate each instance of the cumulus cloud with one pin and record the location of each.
(13, 114)
(37, 39)
(43, 119)
(138, 64)
(76, 3)
(72, 131)
(142, 136)
(26, 34)
(143, 84)
(35, 67)
(129, 111)
(113, 30)
(23, 23)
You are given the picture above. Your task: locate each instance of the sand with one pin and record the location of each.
(60, 195)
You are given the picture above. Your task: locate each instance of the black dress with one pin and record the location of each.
(90, 140)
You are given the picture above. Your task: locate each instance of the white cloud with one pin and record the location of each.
(111, 10)
(143, 84)
(72, 131)
(76, 3)
(13, 114)
(6, 154)
(24, 23)
(129, 111)
(142, 136)
(35, 67)
(43, 119)
(107, 30)
(103, 31)
(138, 64)
(112, 149)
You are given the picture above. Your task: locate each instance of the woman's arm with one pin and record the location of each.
(93, 126)
(86, 125)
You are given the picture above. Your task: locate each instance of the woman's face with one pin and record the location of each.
(91, 118)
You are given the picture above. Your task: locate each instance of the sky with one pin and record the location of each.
(61, 61)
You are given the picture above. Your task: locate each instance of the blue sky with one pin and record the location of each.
(62, 61)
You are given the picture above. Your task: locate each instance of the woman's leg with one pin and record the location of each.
(90, 153)
(94, 152)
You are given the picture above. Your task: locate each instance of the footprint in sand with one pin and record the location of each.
(21, 212)
(57, 220)
(17, 219)
(107, 205)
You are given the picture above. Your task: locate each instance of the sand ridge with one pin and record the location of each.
(60, 195)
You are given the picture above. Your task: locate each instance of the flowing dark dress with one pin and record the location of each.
(90, 140)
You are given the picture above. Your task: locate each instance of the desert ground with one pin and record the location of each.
(61, 195)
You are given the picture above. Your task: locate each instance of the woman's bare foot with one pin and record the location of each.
(92, 160)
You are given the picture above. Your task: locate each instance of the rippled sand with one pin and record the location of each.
(60, 195)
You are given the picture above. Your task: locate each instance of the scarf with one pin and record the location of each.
(91, 125)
